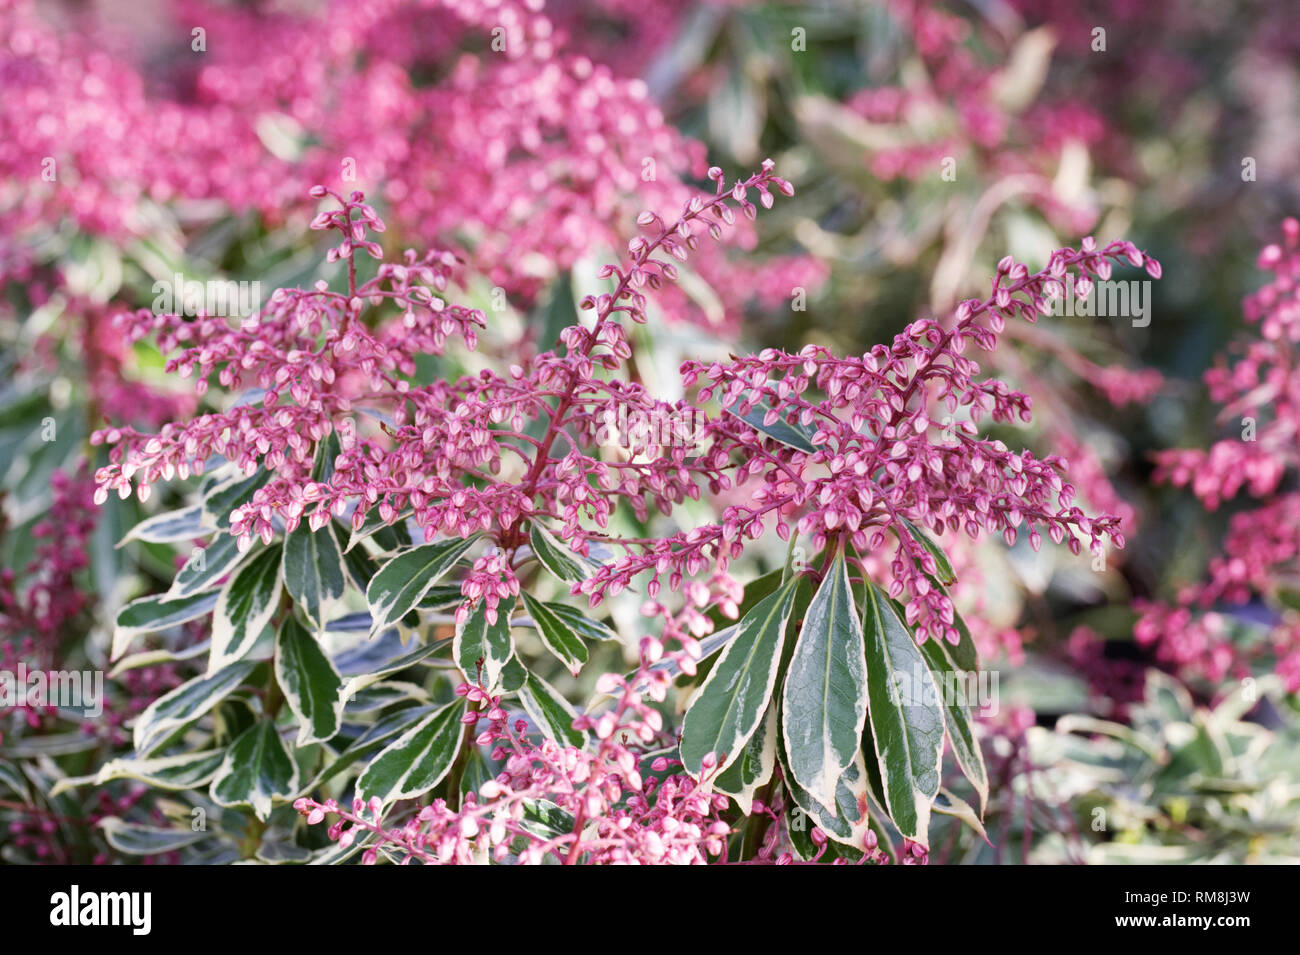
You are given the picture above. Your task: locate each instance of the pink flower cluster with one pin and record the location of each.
(456, 455)
(879, 456)
(1260, 556)
(1020, 144)
(40, 605)
(528, 155)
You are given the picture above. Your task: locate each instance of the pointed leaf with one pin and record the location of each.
(311, 685)
(313, 569)
(417, 760)
(207, 565)
(185, 704)
(943, 568)
(958, 692)
(186, 771)
(744, 777)
(558, 636)
(847, 819)
(257, 770)
(136, 840)
(172, 527)
(477, 642)
(580, 623)
(403, 580)
(248, 602)
(795, 436)
(229, 493)
(730, 704)
(824, 704)
(558, 557)
(906, 720)
(149, 614)
(550, 711)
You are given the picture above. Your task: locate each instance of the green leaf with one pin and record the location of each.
(732, 700)
(257, 770)
(948, 804)
(557, 557)
(957, 688)
(943, 568)
(185, 704)
(477, 640)
(361, 567)
(313, 570)
(375, 737)
(136, 840)
(388, 667)
(907, 723)
(186, 771)
(795, 436)
(207, 565)
(846, 820)
(149, 614)
(403, 580)
(247, 603)
(550, 711)
(743, 778)
(580, 623)
(172, 527)
(11, 778)
(312, 687)
(418, 760)
(222, 498)
(824, 704)
(559, 637)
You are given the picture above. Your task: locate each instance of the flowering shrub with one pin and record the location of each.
(488, 481)
(1258, 557)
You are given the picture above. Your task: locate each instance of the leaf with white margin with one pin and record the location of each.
(849, 821)
(477, 640)
(207, 565)
(256, 771)
(137, 840)
(950, 805)
(550, 711)
(185, 704)
(558, 557)
(557, 636)
(907, 724)
(247, 603)
(312, 686)
(743, 778)
(823, 706)
(172, 527)
(953, 681)
(313, 570)
(403, 580)
(580, 623)
(186, 771)
(730, 704)
(150, 614)
(417, 760)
